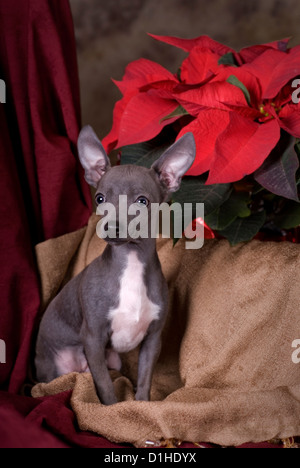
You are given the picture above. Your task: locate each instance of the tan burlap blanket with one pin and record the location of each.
(225, 374)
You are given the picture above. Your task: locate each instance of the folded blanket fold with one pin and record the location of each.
(225, 374)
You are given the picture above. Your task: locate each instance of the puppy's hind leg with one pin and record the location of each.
(61, 362)
(70, 359)
(45, 369)
(113, 360)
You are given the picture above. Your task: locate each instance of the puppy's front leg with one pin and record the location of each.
(95, 354)
(149, 354)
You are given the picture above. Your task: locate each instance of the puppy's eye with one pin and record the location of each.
(143, 201)
(99, 198)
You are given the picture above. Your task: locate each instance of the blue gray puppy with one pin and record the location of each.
(121, 299)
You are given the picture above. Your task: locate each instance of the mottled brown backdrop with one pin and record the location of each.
(111, 33)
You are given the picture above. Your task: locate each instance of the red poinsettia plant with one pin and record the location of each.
(244, 111)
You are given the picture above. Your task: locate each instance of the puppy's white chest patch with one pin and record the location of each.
(131, 319)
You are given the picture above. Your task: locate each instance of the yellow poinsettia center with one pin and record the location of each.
(263, 111)
(267, 109)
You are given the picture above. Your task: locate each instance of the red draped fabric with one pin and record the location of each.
(42, 190)
(43, 193)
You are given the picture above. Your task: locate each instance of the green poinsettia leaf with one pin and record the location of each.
(236, 206)
(244, 229)
(290, 216)
(232, 79)
(146, 153)
(227, 59)
(178, 112)
(193, 190)
(278, 172)
(142, 154)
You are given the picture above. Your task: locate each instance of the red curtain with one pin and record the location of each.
(43, 193)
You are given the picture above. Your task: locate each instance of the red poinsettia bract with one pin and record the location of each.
(238, 103)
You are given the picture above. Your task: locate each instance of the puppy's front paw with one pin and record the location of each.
(142, 396)
(109, 400)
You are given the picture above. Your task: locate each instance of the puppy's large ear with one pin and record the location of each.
(175, 162)
(92, 156)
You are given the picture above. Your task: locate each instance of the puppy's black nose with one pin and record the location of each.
(117, 227)
(113, 229)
